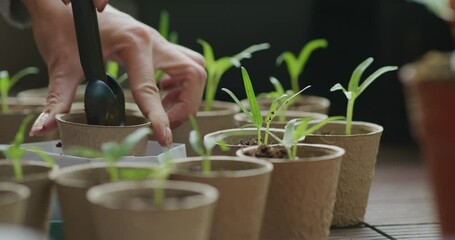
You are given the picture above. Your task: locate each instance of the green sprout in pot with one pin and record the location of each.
(7, 82)
(296, 130)
(254, 115)
(216, 68)
(204, 147)
(296, 64)
(355, 88)
(15, 152)
(112, 152)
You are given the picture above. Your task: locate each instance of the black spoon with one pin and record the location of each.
(104, 100)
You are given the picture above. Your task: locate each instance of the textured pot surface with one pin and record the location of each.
(220, 117)
(13, 200)
(241, 137)
(302, 193)
(75, 132)
(37, 179)
(241, 120)
(436, 100)
(242, 185)
(72, 184)
(186, 213)
(357, 168)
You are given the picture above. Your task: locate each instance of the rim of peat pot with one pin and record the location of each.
(203, 194)
(258, 167)
(68, 118)
(241, 117)
(219, 108)
(370, 129)
(46, 170)
(336, 152)
(61, 177)
(18, 192)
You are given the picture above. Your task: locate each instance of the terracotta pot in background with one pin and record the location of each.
(301, 193)
(220, 117)
(13, 201)
(357, 167)
(124, 210)
(75, 132)
(37, 179)
(242, 185)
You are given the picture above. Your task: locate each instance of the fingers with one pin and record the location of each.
(136, 52)
(99, 4)
(198, 58)
(62, 86)
(185, 82)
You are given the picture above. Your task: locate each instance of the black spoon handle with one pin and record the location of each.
(88, 39)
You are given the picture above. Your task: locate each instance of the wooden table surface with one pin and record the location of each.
(400, 204)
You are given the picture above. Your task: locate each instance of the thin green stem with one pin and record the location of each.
(295, 84)
(206, 165)
(294, 152)
(18, 170)
(112, 170)
(349, 114)
(266, 134)
(259, 135)
(158, 194)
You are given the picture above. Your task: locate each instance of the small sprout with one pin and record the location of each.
(15, 152)
(204, 147)
(296, 130)
(296, 64)
(160, 174)
(355, 88)
(216, 68)
(112, 152)
(254, 115)
(6, 83)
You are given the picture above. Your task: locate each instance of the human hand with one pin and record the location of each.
(99, 4)
(140, 48)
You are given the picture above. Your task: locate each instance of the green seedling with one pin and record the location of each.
(7, 82)
(163, 29)
(254, 115)
(15, 152)
(112, 152)
(355, 88)
(296, 64)
(216, 68)
(205, 147)
(297, 129)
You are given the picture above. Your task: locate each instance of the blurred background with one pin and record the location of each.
(394, 32)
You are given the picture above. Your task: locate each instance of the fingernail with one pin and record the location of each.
(39, 124)
(168, 135)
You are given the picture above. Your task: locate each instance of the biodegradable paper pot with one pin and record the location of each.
(437, 103)
(242, 185)
(236, 142)
(241, 120)
(124, 210)
(301, 193)
(13, 200)
(220, 117)
(72, 184)
(11, 121)
(39, 95)
(130, 108)
(74, 131)
(37, 179)
(357, 168)
(307, 103)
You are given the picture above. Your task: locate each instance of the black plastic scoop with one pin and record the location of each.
(104, 100)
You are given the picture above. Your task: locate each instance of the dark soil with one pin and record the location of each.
(267, 151)
(248, 142)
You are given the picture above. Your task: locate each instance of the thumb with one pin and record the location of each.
(62, 88)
